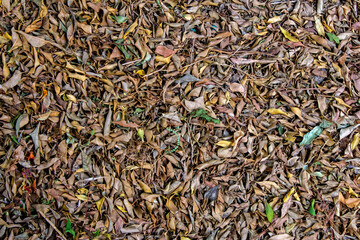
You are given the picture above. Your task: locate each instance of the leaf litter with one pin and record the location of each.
(179, 119)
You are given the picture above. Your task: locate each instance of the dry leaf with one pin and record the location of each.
(164, 51)
(12, 82)
(277, 111)
(288, 35)
(34, 41)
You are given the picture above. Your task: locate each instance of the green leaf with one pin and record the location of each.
(269, 212)
(315, 132)
(68, 228)
(204, 114)
(92, 132)
(121, 19)
(281, 130)
(311, 209)
(125, 52)
(138, 110)
(332, 37)
(140, 133)
(14, 139)
(96, 233)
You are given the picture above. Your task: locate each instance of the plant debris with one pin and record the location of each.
(185, 120)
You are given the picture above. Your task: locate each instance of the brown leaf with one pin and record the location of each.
(123, 123)
(164, 51)
(6, 4)
(115, 53)
(12, 82)
(34, 41)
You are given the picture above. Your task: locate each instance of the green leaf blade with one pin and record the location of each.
(312, 209)
(333, 38)
(269, 212)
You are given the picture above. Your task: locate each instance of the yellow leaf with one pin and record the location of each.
(327, 27)
(274, 19)
(296, 196)
(99, 204)
(319, 27)
(227, 96)
(341, 102)
(79, 170)
(6, 70)
(288, 36)
(288, 195)
(262, 33)
(162, 59)
(277, 111)
(71, 98)
(69, 66)
(144, 187)
(297, 111)
(121, 209)
(337, 68)
(224, 144)
(355, 141)
(140, 72)
(81, 197)
(43, 12)
(185, 238)
(290, 137)
(351, 191)
(82, 191)
(7, 35)
(131, 28)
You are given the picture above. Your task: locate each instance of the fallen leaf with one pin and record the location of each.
(277, 111)
(33, 40)
(164, 51)
(12, 82)
(224, 144)
(288, 35)
(275, 19)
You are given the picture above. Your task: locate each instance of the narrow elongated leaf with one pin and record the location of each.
(269, 212)
(312, 209)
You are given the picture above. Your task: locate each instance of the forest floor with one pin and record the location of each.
(183, 120)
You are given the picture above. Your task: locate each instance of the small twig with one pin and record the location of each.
(52, 225)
